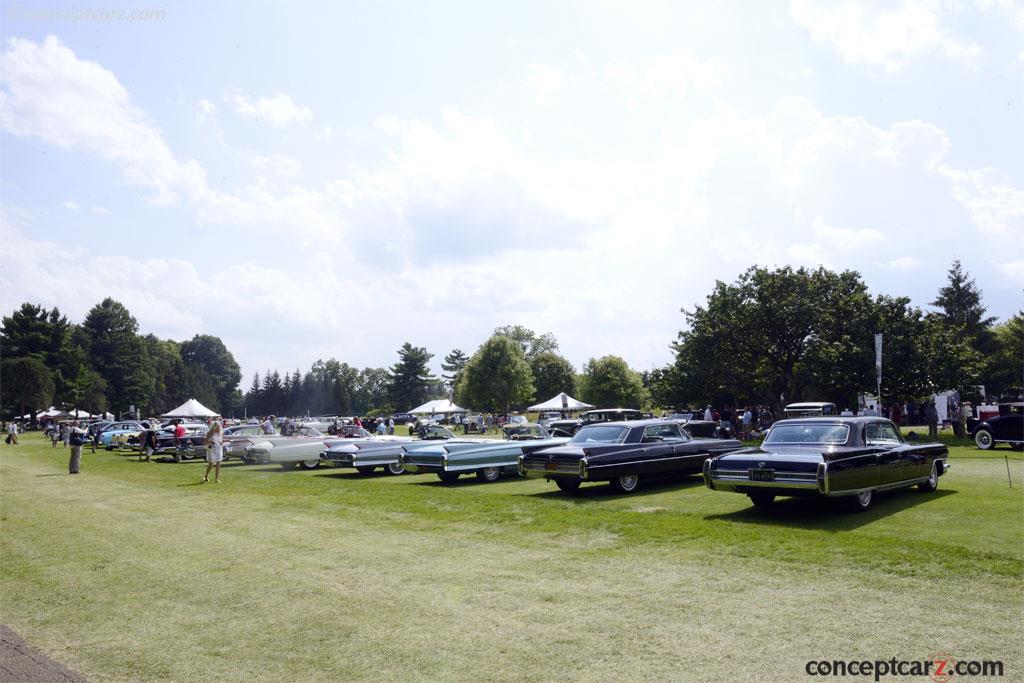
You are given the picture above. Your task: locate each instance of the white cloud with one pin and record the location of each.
(675, 75)
(903, 263)
(994, 204)
(544, 80)
(1012, 270)
(886, 36)
(278, 164)
(71, 206)
(51, 94)
(101, 210)
(278, 110)
(205, 109)
(67, 102)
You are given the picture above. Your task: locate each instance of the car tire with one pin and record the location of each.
(627, 483)
(568, 485)
(309, 464)
(933, 480)
(1017, 446)
(366, 469)
(394, 468)
(488, 474)
(983, 440)
(448, 477)
(761, 500)
(860, 502)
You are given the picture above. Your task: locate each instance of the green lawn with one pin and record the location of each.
(137, 571)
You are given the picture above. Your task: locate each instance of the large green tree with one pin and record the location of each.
(409, 379)
(497, 377)
(453, 364)
(609, 382)
(27, 383)
(34, 332)
(372, 392)
(552, 374)
(778, 336)
(1005, 377)
(208, 355)
(118, 354)
(529, 341)
(959, 303)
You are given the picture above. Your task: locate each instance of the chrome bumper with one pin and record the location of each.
(733, 480)
(546, 470)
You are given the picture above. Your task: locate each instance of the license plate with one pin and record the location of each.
(553, 466)
(762, 475)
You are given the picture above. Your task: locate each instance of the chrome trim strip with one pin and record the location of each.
(707, 456)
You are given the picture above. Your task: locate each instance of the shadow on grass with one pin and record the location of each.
(600, 491)
(430, 479)
(829, 514)
(55, 474)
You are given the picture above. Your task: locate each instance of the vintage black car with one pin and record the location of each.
(847, 457)
(1007, 427)
(566, 426)
(611, 415)
(622, 453)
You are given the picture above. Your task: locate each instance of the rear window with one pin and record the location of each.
(823, 434)
(600, 434)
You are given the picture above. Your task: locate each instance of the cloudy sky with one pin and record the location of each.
(318, 180)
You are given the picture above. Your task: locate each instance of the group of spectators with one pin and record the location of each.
(742, 423)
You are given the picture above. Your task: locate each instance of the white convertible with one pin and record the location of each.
(304, 449)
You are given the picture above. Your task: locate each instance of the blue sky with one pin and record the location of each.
(313, 180)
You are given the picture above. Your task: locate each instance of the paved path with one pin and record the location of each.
(22, 663)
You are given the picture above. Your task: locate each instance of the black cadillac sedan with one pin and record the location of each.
(623, 453)
(837, 457)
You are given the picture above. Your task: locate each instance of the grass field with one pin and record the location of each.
(138, 571)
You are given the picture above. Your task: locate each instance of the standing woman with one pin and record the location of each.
(214, 450)
(75, 437)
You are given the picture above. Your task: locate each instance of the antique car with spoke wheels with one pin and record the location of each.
(489, 460)
(623, 453)
(1007, 427)
(852, 458)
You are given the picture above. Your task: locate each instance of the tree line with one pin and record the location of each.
(104, 364)
(510, 370)
(772, 337)
(784, 335)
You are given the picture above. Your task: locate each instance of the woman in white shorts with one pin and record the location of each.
(214, 450)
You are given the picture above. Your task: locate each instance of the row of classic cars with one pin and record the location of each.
(852, 458)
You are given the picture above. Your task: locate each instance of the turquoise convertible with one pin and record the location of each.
(488, 459)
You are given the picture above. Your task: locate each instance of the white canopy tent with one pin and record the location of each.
(190, 408)
(51, 412)
(561, 402)
(441, 405)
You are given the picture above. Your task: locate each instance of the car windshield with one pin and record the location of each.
(600, 434)
(525, 432)
(824, 434)
(308, 431)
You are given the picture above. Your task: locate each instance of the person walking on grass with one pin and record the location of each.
(148, 443)
(12, 433)
(214, 451)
